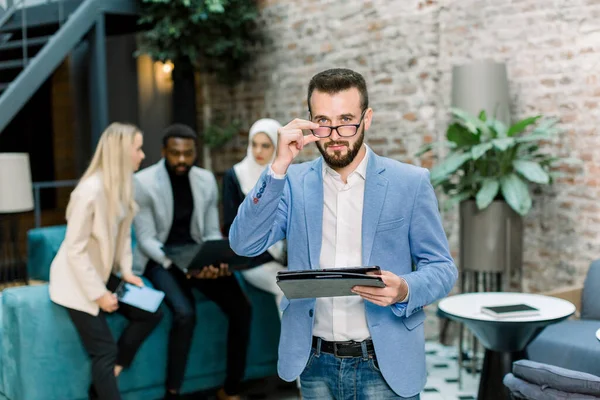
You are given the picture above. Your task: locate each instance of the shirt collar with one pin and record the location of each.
(361, 170)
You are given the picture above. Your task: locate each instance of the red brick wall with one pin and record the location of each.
(406, 50)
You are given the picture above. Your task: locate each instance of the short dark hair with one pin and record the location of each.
(178, 131)
(336, 80)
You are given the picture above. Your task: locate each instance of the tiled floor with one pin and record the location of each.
(441, 384)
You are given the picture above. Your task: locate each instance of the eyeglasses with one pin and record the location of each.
(348, 130)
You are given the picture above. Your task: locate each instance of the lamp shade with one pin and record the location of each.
(482, 85)
(16, 194)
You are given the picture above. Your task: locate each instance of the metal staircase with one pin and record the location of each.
(35, 39)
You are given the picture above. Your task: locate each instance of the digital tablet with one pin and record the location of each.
(144, 297)
(325, 283)
(510, 310)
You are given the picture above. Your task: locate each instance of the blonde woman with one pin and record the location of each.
(98, 244)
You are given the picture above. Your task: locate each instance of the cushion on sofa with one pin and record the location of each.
(42, 245)
(563, 379)
(521, 389)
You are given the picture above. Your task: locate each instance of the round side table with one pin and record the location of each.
(504, 339)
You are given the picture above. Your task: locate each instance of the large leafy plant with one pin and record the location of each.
(488, 160)
(217, 36)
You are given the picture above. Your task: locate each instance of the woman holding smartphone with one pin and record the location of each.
(96, 245)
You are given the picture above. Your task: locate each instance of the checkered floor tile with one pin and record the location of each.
(442, 378)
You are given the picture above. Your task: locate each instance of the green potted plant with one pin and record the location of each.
(207, 36)
(489, 170)
(488, 160)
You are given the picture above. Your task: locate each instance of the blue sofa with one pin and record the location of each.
(41, 356)
(572, 344)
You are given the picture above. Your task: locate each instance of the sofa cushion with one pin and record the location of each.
(590, 300)
(558, 378)
(521, 389)
(42, 245)
(570, 344)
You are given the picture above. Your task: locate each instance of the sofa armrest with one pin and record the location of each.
(569, 293)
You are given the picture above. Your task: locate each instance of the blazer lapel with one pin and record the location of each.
(313, 210)
(164, 194)
(200, 208)
(375, 192)
(123, 227)
(105, 230)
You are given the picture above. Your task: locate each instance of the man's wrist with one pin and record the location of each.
(404, 299)
(167, 263)
(279, 168)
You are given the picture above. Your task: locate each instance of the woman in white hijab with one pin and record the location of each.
(237, 183)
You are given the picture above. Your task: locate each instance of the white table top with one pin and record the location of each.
(468, 305)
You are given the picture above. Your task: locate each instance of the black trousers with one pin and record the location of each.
(102, 348)
(228, 295)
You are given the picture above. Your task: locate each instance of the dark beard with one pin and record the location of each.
(337, 161)
(172, 169)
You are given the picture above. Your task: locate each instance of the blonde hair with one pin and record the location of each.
(113, 158)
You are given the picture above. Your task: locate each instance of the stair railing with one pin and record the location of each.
(22, 5)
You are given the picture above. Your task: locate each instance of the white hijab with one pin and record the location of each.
(248, 171)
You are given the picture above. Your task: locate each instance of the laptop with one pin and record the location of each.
(194, 257)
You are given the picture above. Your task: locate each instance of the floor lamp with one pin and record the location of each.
(479, 85)
(16, 197)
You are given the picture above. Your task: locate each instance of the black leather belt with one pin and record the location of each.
(347, 349)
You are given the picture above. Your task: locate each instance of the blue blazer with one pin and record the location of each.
(401, 227)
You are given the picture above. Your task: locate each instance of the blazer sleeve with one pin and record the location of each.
(435, 272)
(212, 226)
(232, 198)
(79, 229)
(262, 218)
(145, 226)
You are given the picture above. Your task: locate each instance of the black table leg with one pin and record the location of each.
(495, 366)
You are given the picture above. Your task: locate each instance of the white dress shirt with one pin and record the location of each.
(342, 318)
(339, 319)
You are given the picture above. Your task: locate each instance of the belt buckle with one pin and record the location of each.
(335, 352)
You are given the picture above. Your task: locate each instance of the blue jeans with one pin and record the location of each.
(327, 377)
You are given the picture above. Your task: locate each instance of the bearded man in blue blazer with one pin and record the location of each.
(349, 207)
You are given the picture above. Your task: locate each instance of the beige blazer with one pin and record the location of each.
(90, 251)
